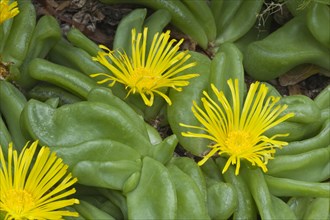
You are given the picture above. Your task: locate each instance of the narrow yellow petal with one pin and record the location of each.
(239, 133)
(147, 72)
(34, 191)
(8, 10)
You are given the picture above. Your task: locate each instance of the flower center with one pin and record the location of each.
(238, 141)
(143, 79)
(19, 201)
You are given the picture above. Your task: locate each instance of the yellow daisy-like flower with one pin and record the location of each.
(147, 72)
(37, 191)
(238, 132)
(7, 10)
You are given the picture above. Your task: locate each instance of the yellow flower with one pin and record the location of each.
(35, 192)
(238, 132)
(147, 72)
(7, 10)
